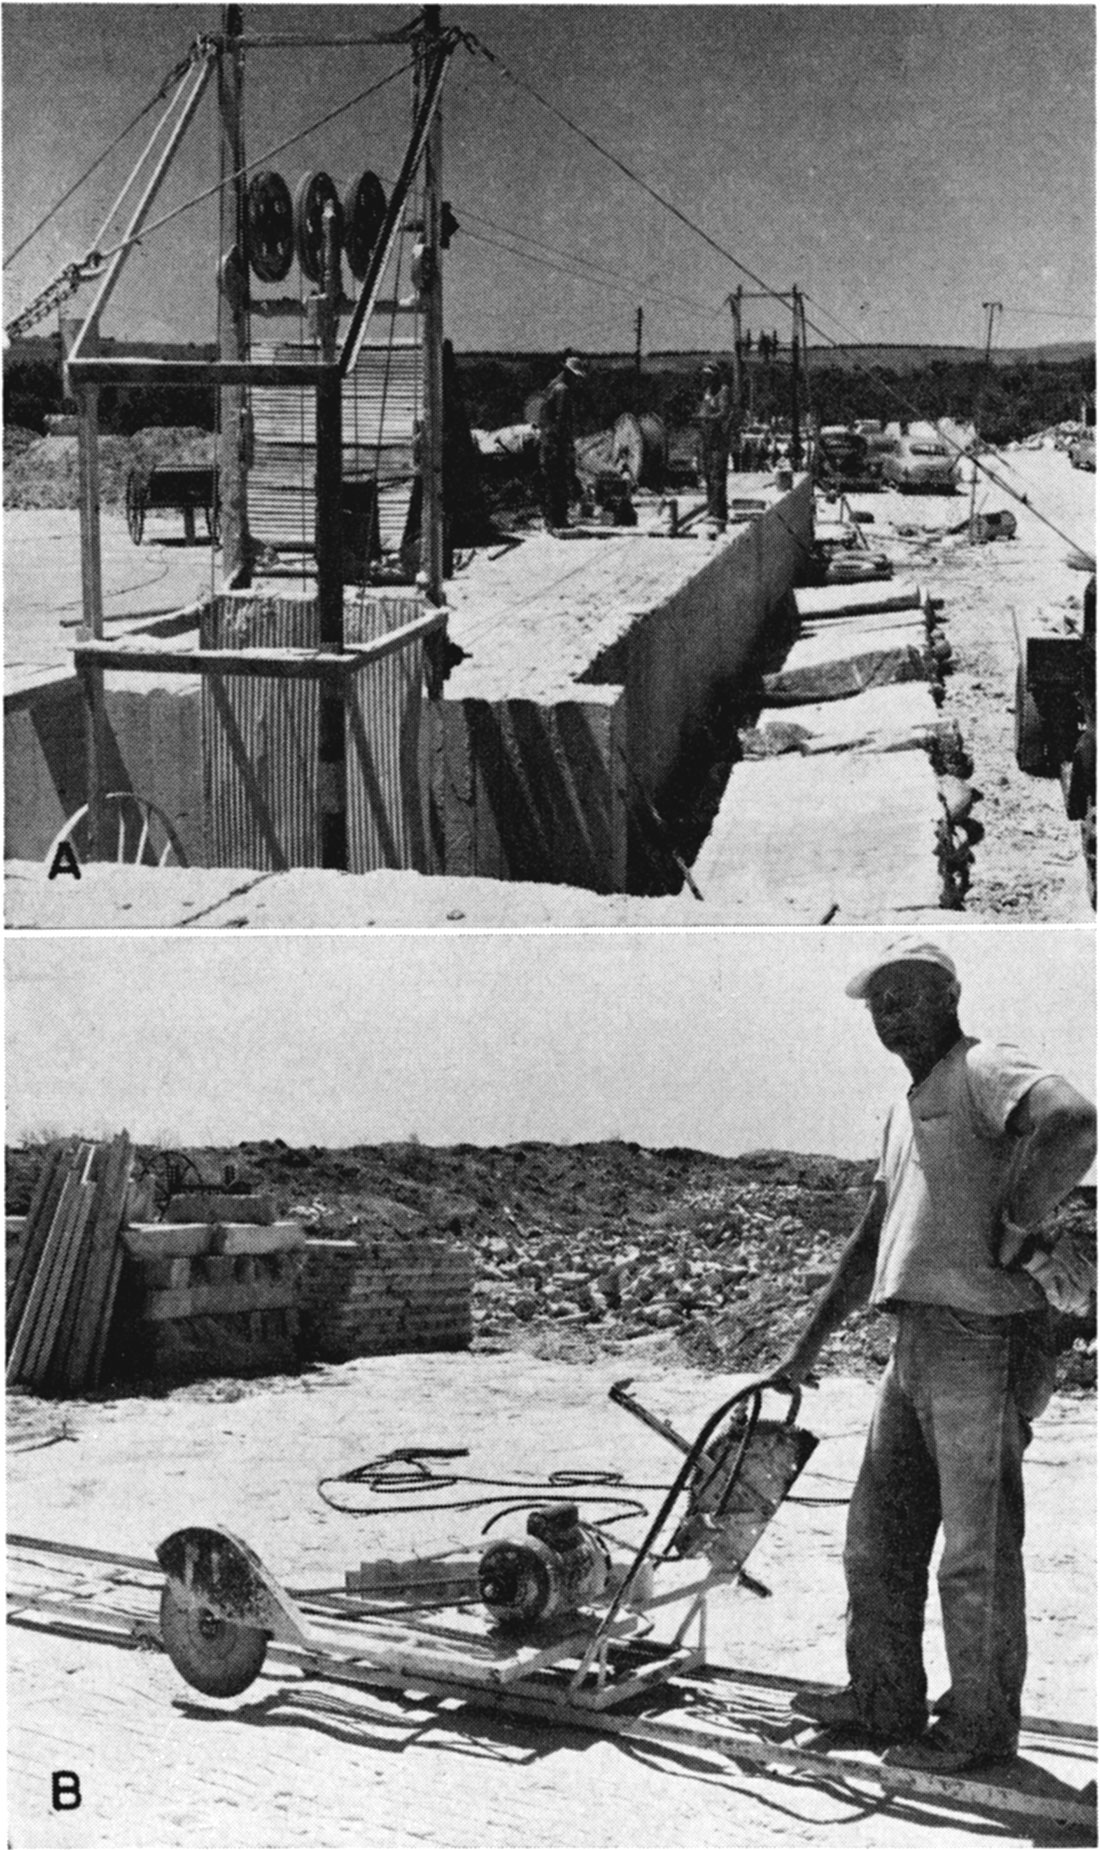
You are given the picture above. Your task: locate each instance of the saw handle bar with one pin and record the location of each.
(753, 1391)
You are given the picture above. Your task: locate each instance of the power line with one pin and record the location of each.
(474, 43)
(623, 288)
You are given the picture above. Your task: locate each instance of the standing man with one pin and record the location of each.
(557, 460)
(977, 1154)
(713, 419)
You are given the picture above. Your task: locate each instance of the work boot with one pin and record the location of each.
(944, 1749)
(838, 1711)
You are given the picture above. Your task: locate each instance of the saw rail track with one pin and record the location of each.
(735, 1717)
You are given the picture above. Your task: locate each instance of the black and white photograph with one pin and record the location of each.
(550, 968)
(447, 1411)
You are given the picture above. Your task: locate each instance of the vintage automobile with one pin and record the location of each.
(1082, 451)
(925, 464)
(841, 457)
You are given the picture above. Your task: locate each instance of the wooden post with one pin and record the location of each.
(236, 552)
(91, 585)
(433, 511)
(796, 435)
(638, 321)
(329, 546)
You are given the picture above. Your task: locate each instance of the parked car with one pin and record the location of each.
(1082, 452)
(923, 463)
(840, 457)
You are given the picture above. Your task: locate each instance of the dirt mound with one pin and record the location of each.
(590, 1248)
(44, 471)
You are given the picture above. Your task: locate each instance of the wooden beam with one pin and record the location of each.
(279, 663)
(306, 375)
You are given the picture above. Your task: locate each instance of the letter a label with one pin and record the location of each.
(65, 861)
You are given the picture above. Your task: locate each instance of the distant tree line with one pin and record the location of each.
(1015, 399)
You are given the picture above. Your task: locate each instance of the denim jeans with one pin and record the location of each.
(946, 1448)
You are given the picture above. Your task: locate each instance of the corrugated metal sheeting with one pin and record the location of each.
(260, 740)
(381, 406)
(385, 827)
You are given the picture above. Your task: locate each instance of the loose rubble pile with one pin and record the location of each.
(588, 1248)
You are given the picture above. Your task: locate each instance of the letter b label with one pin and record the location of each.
(66, 1791)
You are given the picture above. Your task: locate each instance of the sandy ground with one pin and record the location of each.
(42, 597)
(281, 1765)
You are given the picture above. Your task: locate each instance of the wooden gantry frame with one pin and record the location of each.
(234, 371)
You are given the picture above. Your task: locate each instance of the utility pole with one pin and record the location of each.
(991, 308)
(733, 302)
(796, 439)
(638, 319)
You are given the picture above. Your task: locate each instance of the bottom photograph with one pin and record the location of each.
(568, 1389)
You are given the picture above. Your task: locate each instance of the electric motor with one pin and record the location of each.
(559, 1566)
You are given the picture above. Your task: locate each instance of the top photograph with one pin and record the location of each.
(548, 466)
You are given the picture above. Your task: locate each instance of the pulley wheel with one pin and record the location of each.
(311, 196)
(364, 216)
(270, 226)
(214, 1656)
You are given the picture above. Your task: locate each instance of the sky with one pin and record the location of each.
(901, 164)
(722, 1041)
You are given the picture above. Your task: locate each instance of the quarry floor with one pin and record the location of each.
(1029, 867)
(312, 1764)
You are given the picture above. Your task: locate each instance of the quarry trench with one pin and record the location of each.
(565, 656)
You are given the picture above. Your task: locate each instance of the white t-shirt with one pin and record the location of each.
(947, 1166)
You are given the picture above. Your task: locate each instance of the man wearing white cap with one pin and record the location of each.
(557, 458)
(974, 1159)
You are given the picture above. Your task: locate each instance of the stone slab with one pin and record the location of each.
(828, 667)
(882, 719)
(796, 836)
(836, 600)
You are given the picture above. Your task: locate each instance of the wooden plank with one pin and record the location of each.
(36, 1368)
(222, 1300)
(72, 1312)
(99, 1350)
(42, 1284)
(103, 1265)
(59, 1159)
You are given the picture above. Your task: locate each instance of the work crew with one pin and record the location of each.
(557, 460)
(713, 419)
(975, 1157)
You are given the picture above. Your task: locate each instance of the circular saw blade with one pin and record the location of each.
(214, 1656)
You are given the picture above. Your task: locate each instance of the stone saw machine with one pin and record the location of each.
(550, 1619)
(560, 1611)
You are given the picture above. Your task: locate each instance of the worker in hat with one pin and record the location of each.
(713, 420)
(557, 459)
(975, 1157)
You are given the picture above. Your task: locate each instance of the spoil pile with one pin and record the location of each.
(45, 472)
(585, 1249)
